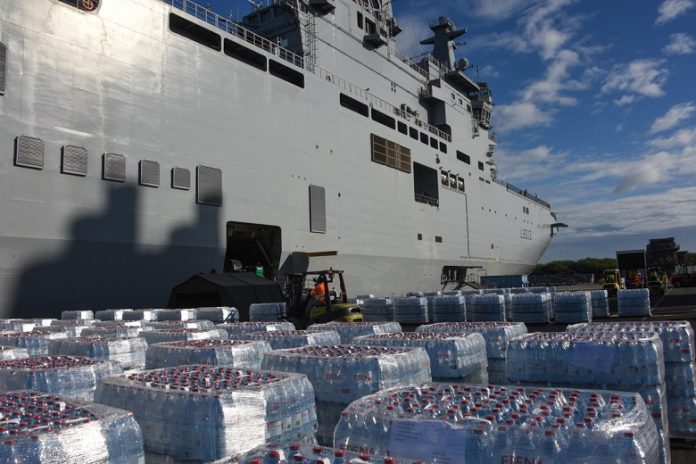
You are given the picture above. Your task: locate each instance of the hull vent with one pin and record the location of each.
(209, 186)
(317, 209)
(181, 179)
(74, 160)
(149, 173)
(114, 167)
(30, 152)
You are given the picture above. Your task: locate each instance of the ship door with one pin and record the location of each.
(253, 244)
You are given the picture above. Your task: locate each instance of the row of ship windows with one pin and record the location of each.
(30, 153)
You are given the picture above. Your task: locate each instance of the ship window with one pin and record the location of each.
(420, 236)
(444, 178)
(370, 27)
(3, 66)
(433, 143)
(209, 186)
(149, 173)
(480, 165)
(438, 239)
(413, 133)
(74, 160)
(461, 184)
(424, 138)
(29, 152)
(193, 31)
(317, 209)
(354, 105)
(391, 154)
(181, 179)
(383, 119)
(403, 128)
(443, 147)
(453, 181)
(360, 20)
(287, 74)
(245, 55)
(425, 185)
(114, 167)
(463, 157)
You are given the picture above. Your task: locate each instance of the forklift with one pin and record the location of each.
(612, 282)
(656, 282)
(305, 306)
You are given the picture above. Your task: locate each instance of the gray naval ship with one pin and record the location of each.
(143, 141)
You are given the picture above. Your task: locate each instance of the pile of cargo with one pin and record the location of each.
(128, 352)
(489, 307)
(175, 335)
(36, 342)
(268, 312)
(348, 331)
(240, 354)
(125, 329)
(448, 308)
(634, 302)
(111, 314)
(234, 329)
(411, 310)
(77, 315)
(8, 353)
(572, 307)
(307, 453)
(218, 314)
(378, 310)
(281, 339)
(166, 325)
(532, 308)
(600, 303)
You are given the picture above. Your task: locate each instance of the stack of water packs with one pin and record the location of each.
(128, 352)
(280, 339)
(61, 375)
(175, 335)
(634, 302)
(240, 354)
(532, 308)
(455, 423)
(496, 334)
(40, 428)
(348, 331)
(341, 374)
(36, 342)
(600, 303)
(448, 308)
(378, 309)
(8, 353)
(79, 315)
(268, 312)
(204, 413)
(284, 453)
(489, 307)
(616, 361)
(453, 357)
(166, 325)
(235, 329)
(128, 329)
(111, 314)
(572, 307)
(219, 314)
(411, 310)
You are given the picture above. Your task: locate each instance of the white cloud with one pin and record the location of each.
(685, 139)
(639, 78)
(519, 115)
(489, 71)
(499, 9)
(671, 9)
(556, 80)
(415, 28)
(673, 117)
(680, 44)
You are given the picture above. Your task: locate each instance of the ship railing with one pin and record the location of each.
(523, 193)
(412, 64)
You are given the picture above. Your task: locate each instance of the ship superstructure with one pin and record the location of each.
(146, 140)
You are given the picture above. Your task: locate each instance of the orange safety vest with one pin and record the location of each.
(318, 292)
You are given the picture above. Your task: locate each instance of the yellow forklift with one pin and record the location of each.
(312, 298)
(612, 282)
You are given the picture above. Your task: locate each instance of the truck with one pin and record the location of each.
(631, 264)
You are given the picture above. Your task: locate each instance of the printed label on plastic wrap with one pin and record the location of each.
(427, 441)
(593, 356)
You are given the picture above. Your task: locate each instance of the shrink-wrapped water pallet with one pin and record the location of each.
(349, 330)
(142, 315)
(448, 308)
(411, 310)
(268, 312)
(378, 310)
(600, 303)
(175, 335)
(70, 315)
(624, 362)
(572, 307)
(40, 428)
(455, 423)
(496, 334)
(165, 325)
(531, 308)
(343, 373)
(219, 314)
(126, 329)
(240, 354)
(36, 342)
(453, 357)
(237, 328)
(204, 413)
(16, 326)
(680, 371)
(61, 375)
(308, 453)
(111, 314)
(280, 339)
(70, 331)
(188, 314)
(8, 353)
(634, 302)
(128, 352)
(489, 307)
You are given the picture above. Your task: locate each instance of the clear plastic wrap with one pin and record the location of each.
(129, 353)
(219, 314)
(238, 328)
(7, 326)
(36, 342)
(70, 331)
(489, 307)
(534, 308)
(572, 307)
(600, 303)
(411, 310)
(61, 375)
(240, 354)
(203, 413)
(378, 310)
(164, 325)
(39, 428)
(460, 357)
(111, 314)
(113, 329)
(280, 339)
(268, 312)
(189, 314)
(8, 353)
(307, 453)
(349, 330)
(454, 424)
(142, 315)
(634, 302)
(68, 315)
(447, 308)
(343, 373)
(176, 335)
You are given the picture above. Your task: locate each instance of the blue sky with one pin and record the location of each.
(595, 109)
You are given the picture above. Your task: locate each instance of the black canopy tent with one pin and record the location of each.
(239, 289)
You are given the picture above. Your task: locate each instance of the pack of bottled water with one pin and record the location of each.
(111, 314)
(550, 290)
(61, 375)
(488, 307)
(634, 302)
(36, 342)
(68, 315)
(219, 314)
(572, 307)
(42, 428)
(456, 423)
(142, 315)
(361, 298)
(204, 413)
(309, 454)
(448, 308)
(378, 310)
(71, 323)
(268, 312)
(187, 314)
(348, 331)
(452, 356)
(600, 303)
(125, 329)
(281, 339)
(341, 374)
(163, 325)
(411, 310)
(70, 330)
(517, 290)
(533, 308)
(128, 352)
(493, 291)
(13, 326)
(240, 354)
(8, 353)
(508, 305)
(176, 335)
(496, 334)
(235, 329)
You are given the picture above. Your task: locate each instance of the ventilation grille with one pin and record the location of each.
(30, 152)
(149, 173)
(3, 65)
(114, 167)
(391, 154)
(317, 209)
(74, 160)
(181, 179)
(209, 188)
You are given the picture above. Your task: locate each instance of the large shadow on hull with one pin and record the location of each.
(102, 267)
